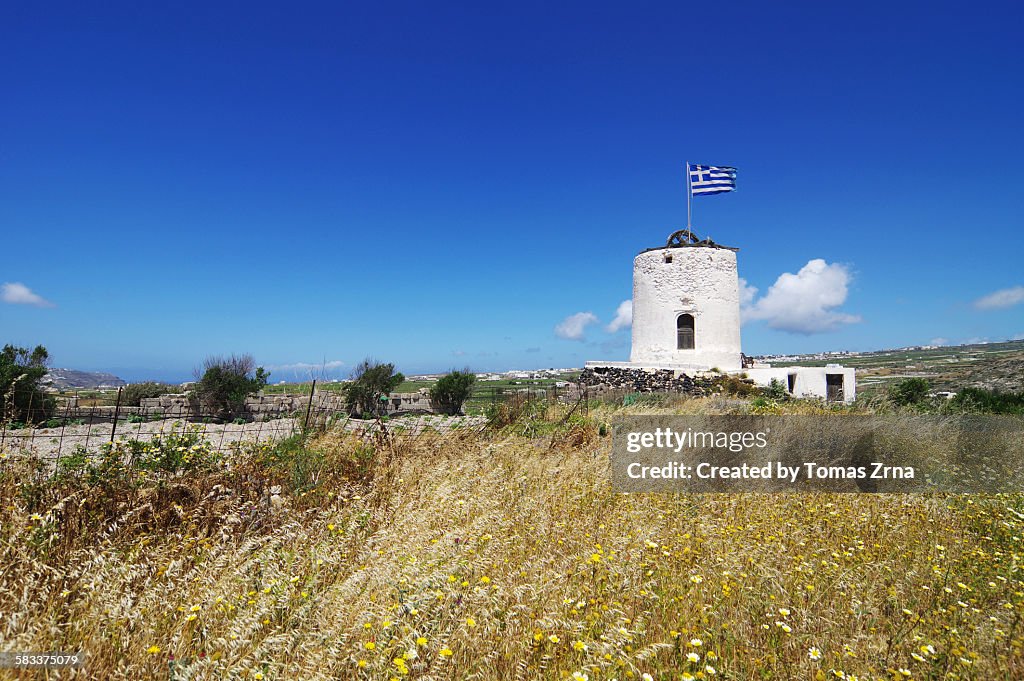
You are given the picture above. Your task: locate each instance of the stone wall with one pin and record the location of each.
(648, 381)
(259, 407)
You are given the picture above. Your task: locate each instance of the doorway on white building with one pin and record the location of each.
(834, 387)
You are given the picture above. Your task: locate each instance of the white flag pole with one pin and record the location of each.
(689, 198)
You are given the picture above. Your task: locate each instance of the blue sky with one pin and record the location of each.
(442, 184)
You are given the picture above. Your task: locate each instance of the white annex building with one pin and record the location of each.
(686, 317)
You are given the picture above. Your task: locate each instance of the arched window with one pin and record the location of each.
(684, 332)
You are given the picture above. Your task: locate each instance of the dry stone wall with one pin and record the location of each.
(648, 381)
(260, 407)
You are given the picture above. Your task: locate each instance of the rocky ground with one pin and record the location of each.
(1005, 374)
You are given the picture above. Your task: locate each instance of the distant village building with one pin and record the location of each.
(686, 317)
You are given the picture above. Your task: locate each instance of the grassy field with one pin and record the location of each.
(485, 393)
(411, 386)
(499, 554)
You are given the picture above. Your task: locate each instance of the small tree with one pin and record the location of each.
(21, 397)
(371, 381)
(452, 390)
(909, 391)
(226, 382)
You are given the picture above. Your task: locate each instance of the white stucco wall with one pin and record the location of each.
(700, 281)
(808, 381)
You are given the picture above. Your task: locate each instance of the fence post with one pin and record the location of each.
(63, 426)
(117, 412)
(309, 407)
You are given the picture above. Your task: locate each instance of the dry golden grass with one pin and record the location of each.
(506, 556)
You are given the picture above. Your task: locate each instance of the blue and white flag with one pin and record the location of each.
(711, 179)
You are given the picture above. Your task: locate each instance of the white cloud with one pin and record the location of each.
(305, 366)
(939, 341)
(623, 316)
(323, 369)
(997, 300)
(747, 293)
(804, 302)
(17, 293)
(573, 326)
(1019, 336)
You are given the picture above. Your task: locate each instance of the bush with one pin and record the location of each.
(737, 386)
(21, 397)
(313, 467)
(226, 382)
(765, 406)
(775, 391)
(120, 461)
(979, 400)
(908, 392)
(452, 390)
(371, 384)
(133, 394)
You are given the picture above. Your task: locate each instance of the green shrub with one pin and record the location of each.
(371, 384)
(737, 386)
(21, 397)
(309, 468)
(909, 392)
(765, 406)
(452, 390)
(775, 391)
(119, 461)
(980, 400)
(226, 382)
(177, 451)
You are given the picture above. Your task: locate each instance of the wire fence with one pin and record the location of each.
(89, 432)
(73, 428)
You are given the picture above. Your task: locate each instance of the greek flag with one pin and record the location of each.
(711, 179)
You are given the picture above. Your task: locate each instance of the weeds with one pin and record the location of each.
(495, 555)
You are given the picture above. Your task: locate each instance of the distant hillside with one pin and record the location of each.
(996, 366)
(64, 379)
(999, 373)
